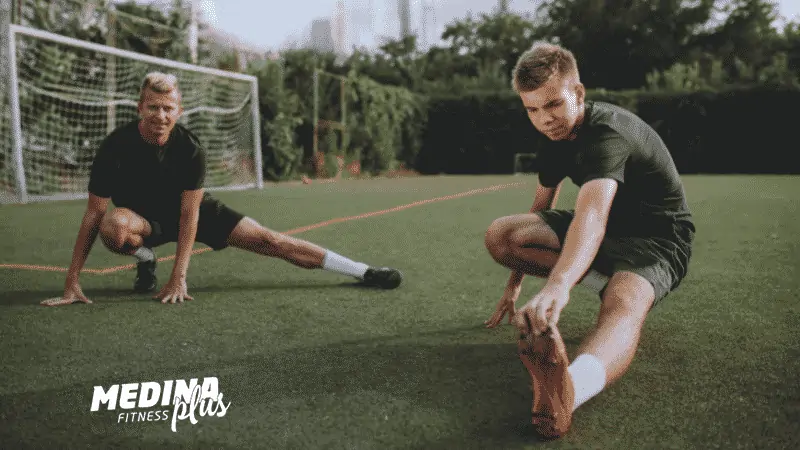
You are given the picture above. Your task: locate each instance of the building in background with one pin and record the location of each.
(367, 24)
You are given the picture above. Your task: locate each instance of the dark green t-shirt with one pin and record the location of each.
(614, 143)
(144, 177)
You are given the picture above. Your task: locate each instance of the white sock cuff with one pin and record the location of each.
(144, 254)
(588, 363)
(588, 377)
(339, 264)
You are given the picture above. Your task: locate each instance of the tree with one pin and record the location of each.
(494, 40)
(791, 45)
(145, 29)
(618, 42)
(746, 41)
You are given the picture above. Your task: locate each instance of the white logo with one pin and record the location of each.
(188, 400)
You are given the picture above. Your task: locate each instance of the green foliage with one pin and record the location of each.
(679, 77)
(608, 35)
(383, 126)
(693, 77)
(450, 108)
(488, 77)
(475, 132)
(709, 131)
(280, 118)
(165, 40)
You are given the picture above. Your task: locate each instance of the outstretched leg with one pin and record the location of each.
(123, 231)
(605, 354)
(608, 350)
(251, 236)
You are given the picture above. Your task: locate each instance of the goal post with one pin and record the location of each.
(331, 94)
(63, 99)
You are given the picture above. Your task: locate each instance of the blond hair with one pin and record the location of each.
(540, 63)
(161, 83)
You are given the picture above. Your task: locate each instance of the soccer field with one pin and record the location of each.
(308, 360)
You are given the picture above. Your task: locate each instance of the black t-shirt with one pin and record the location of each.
(614, 143)
(147, 178)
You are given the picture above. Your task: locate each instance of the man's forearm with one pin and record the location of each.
(580, 248)
(186, 236)
(515, 280)
(87, 234)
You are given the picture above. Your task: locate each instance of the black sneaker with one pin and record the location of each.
(382, 277)
(145, 276)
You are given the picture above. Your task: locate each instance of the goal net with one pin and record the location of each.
(64, 96)
(331, 146)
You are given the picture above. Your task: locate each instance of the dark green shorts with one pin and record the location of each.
(661, 260)
(215, 224)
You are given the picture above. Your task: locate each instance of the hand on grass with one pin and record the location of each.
(543, 310)
(174, 290)
(506, 305)
(72, 293)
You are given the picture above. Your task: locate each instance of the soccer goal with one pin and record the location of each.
(524, 163)
(65, 95)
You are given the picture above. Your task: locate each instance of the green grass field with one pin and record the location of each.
(308, 360)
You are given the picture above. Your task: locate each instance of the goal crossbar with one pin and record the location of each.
(60, 39)
(16, 124)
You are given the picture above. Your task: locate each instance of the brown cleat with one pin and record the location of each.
(545, 357)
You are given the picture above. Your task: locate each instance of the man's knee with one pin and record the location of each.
(628, 294)
(250, 235)
(510, 232)
(116, 228)
(495, 237)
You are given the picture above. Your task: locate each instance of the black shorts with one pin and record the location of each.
(661, 260)
(215, 224)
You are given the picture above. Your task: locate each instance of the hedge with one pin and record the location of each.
(738, 130)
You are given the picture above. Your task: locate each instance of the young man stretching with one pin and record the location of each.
(630, 235)
(153, 170)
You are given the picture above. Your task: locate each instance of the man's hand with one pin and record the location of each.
(72, 293)
(505, 305)
(174, 290)
(533, 317)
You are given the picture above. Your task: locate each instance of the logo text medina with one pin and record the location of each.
(184, 400)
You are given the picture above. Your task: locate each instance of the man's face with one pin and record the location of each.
(556, 107)
(159, 112)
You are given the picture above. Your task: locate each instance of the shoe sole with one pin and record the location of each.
(542, 355)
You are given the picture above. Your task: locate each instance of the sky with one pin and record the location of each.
(270, 23)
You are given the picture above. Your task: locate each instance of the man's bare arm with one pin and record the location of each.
(545, 197)
(585, 233)
(87, 234)
(187, 231)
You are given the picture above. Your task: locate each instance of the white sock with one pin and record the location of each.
(144, 254)
(588, 378)
(595, 281)
(339, 264)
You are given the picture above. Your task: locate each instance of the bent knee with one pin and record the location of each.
(518, 231)
(495, 235)
(628, 294)
(117, 221)
(116, 227)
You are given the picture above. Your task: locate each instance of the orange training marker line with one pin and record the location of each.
(289, 232)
